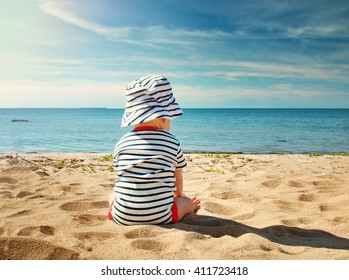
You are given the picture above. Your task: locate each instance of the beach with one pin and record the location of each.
(254, 207)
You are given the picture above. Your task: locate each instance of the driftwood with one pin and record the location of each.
(34, 163)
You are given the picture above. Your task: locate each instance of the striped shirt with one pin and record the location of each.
(145, 161)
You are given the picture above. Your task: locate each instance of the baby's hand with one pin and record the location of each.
(177, 195)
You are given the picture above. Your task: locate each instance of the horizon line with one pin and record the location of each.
(191, 108)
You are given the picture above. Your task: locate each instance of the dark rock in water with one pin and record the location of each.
(19, 121)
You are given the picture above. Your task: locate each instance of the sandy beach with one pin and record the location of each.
(54, 206)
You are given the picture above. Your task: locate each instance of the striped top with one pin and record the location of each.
(149, 98)
(145, 161)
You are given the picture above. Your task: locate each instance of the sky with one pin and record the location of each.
(221, 53)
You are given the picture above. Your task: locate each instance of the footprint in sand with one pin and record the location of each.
(89, 219)
(22, 194)
(8, 180)
(71, 189)
(295, 184)
(86, 218)
(325, 186)
(307, 197)
(341, 220)
(37, 231)
(20, 214)
(226, 195)
(193, 236)
(326, 207)
(83, 205)
(6, 194)
(324, 183)
(143, 232)
(288, 205)
(89, 235)
(148, 245)
(30, 195)
(271, 183)
(143, 240)
(25, 248)
(66, 188)
(217, 208)
(245, 216)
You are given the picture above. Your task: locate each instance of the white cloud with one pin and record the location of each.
(182, 92)
(317, 31)
(296, 70)
(53, 9)
(151, 36)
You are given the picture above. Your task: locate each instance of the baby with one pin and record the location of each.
(149, 160)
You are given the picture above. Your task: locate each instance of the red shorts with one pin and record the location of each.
(174, 211)
(110, 217)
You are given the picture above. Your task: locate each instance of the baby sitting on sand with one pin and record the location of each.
(149, 160)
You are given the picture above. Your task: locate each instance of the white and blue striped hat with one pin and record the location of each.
(149, 98)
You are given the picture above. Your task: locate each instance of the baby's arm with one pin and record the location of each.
(179, 182)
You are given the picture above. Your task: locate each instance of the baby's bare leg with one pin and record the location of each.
(186, 205)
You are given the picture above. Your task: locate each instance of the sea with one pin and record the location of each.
(266, 131)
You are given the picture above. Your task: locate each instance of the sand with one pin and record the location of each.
(271, 207)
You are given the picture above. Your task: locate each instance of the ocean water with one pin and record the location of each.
(199, 130)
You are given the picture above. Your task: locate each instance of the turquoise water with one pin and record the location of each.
(210, 130)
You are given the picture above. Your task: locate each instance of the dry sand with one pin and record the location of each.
(53, 206)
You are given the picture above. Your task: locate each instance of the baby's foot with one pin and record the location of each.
(196, 203)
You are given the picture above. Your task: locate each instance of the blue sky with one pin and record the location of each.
(254, 54)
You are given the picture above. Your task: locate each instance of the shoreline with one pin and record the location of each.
(254, 207)
(337, 153)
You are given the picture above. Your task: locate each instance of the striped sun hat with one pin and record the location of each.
(149, 98)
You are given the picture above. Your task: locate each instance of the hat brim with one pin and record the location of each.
(146, 114)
